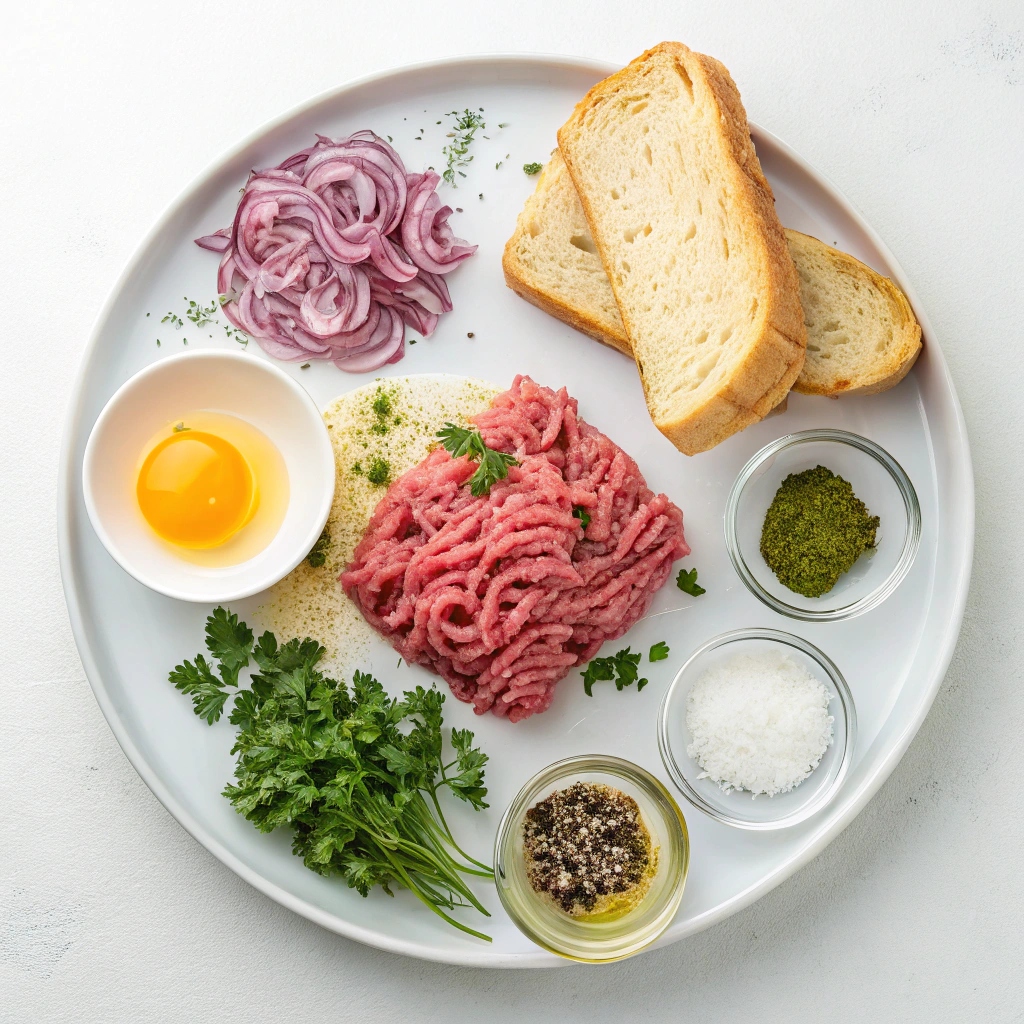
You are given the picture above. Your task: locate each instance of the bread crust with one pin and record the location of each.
(771, 363)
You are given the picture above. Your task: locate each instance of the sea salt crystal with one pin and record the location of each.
(758, 722)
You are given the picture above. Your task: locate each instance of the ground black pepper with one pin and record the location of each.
(584, 843)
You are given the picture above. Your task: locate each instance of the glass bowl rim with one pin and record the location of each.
(551, 774)
(911, 542)
(842, 691)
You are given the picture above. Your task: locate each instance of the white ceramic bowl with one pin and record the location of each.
(244, 386)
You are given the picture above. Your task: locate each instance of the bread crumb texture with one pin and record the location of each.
(393, 421)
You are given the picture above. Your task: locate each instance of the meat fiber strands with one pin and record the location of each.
(503, 594)
(335, 251)
(758, 722)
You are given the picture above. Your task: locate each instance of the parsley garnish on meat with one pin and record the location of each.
(462, 134)
(493, 465)
(687, 583)
(582, 515)
(354, 773)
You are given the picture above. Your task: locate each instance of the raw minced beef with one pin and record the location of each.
(503, 594)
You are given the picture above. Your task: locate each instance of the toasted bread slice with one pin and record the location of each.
(685, 224)
(862, 336)
(551, 260)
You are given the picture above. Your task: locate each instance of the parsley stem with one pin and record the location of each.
(415, 890)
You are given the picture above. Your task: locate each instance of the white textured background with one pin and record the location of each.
(109, 911)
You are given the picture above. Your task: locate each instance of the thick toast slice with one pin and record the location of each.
(684, 221)
(862, 335)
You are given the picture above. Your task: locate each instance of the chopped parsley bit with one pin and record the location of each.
(659, 652)
(381, 405)
(504, 124)
(147, 314)
(390, 139)
(317, 558)
(379, 472)
(533, 168)
(157, 342)
(304, 366)
(357, 468)
(179, 427)
(687, 583)
(457, 151)
(481, 195)
(412, 341)
(201, 315)
(582, 515)
(622, 667)
(469, 443)
(173, 318)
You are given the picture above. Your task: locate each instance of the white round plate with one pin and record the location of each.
(894, 657)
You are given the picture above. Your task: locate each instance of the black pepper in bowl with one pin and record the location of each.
(586, 845)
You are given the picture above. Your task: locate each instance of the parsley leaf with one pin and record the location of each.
(353, 773)
(582, 515)
(461, 442)
(687, 583)
(532, 169)
(230, 642)
(196, 679)
(622, 667)
(659, 652)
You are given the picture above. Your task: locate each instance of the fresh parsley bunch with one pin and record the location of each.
(493, 465)
(354, 773)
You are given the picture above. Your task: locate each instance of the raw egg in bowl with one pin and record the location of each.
(209, 475)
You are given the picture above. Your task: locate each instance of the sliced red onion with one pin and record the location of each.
(426, 236)
(217, 242)
(334, 251)
(385, 346)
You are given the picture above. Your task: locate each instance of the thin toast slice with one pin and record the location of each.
(684, 222)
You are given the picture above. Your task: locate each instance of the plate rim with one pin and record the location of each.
(814, 842)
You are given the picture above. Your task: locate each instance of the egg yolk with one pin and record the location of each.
(196, 490)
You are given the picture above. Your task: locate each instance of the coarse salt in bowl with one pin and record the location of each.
(738, 807)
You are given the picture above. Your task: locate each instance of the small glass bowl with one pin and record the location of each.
(594, 942)
(740, 807)
(877, 479)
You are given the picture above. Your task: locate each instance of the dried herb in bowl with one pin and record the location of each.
(815, 530)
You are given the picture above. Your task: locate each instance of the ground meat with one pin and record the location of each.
(503, 594)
